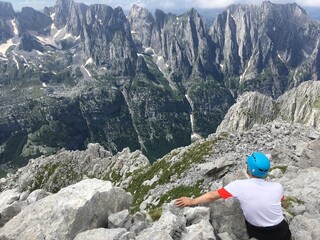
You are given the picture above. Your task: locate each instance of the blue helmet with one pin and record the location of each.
(258, 164)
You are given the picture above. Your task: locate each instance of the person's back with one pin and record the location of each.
(260, 201)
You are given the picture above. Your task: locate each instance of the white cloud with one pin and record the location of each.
(162, 4)
(309, 3)
(201, 4)
(31, 2)
(212, 4)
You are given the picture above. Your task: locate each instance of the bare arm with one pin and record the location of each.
(205, 198)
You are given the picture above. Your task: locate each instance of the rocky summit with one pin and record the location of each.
(64, 190)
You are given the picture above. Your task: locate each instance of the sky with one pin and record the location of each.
(161, 4)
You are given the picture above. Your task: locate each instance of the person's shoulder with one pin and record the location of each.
(240, 181)
(275, 184)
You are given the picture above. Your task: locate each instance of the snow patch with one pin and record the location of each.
(5, 46)
(194, 134)
(44, 85)
(140, 55)
(133, 32)
(305, 54)
(86, 70)
(160, 63)
(149, 50)
(282, 57)
(15, 29)
(53, 15)
(24, 59)
(295, 74)
(47, 41)
(39, 53)
(89, 61)
(242, 77)
(177, 18)
(299, 12)
(60, 34)
(160, 58)
(15, 60)
(195, 137)
(68, 35)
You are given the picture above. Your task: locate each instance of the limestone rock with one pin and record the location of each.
(68, 167)
(250, 108)
(301, 104)
(310, 155)
(9, 206)
(119, 219)
(304, 226)
(161, 229)
(202, 231)
(37, 195)
(72, 210)
(102, 234)
(302, 189)
(258, 45)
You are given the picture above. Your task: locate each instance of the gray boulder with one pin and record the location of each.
(119, 219)
(37, 195)
(200, 231)
(306, 226)
(163, 229)
(302, 189)
(228, 217)
(72, 210)
(102, 234)
(310, 155)
(8, 205)
(196, 215)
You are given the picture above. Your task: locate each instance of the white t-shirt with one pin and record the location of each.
(260, 200)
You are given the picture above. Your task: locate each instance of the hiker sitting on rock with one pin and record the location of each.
(260, 201)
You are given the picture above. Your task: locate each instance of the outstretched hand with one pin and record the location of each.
(184, 202)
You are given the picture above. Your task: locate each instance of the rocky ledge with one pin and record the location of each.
(60, 197)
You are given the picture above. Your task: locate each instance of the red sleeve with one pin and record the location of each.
(224, 193)
(282, 198)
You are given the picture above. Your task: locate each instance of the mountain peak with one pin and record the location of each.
(61, 9)
(33, 20)
(6, 10)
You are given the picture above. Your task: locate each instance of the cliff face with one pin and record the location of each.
(6, 14)
(302, 104)
(183, 51)
(32, 20)
(259, 47)
(299, 105)
(251, 108)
